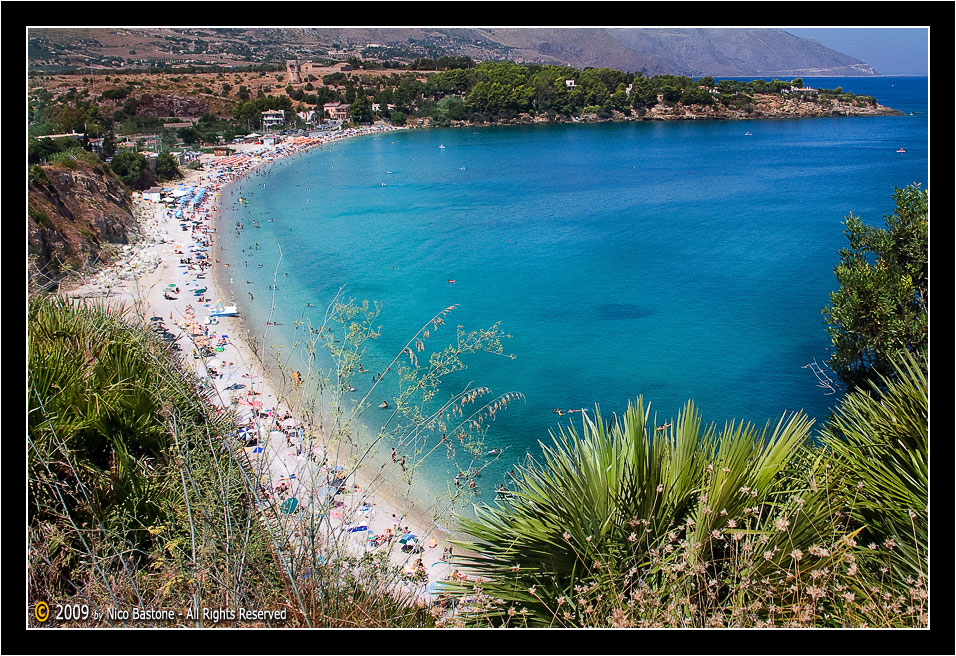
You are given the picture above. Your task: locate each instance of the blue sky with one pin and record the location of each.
(890, 50)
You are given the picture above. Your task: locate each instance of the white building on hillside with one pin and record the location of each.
(272, 117)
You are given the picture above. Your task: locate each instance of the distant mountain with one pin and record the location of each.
(731, 51)
(724, 52)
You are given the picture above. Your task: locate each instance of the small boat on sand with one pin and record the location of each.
(220, 310)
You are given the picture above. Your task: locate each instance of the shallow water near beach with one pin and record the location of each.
(676, 261)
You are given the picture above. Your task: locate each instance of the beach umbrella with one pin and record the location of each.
(358, 527)
(289, 505)
(409, 539)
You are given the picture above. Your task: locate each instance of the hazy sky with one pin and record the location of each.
(890, 50)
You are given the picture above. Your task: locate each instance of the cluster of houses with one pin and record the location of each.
(334, 111)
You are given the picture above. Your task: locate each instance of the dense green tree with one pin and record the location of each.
(643, 94)
(361, 110)
(881, 305)
(109, 145)
(324, 95)
(116, 93)
(188, 135)
(132, 169)
(167, 167)
(696, 96)
(453, 107)
(40, 150)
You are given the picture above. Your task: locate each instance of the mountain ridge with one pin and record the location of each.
(721, 52)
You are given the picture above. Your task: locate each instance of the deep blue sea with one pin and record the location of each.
(674, 260)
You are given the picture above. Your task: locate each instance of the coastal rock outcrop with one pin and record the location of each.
(159, 105)
(77, 215)
(760, 106)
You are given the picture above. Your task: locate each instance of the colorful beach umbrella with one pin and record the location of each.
(408, 539)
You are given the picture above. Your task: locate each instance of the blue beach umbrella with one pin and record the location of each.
(356, 529)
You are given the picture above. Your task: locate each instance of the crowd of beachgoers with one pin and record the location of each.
(168, 277)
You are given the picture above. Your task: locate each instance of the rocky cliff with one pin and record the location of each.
(78, 215)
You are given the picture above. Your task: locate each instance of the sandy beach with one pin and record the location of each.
(173, 277)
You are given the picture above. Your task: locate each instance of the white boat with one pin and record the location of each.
(220, 310)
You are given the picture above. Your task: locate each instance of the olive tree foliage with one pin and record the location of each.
(880, 308)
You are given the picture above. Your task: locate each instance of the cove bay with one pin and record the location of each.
(684, 260)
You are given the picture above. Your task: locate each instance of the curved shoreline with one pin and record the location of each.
(406, 496)
(142, 281)
(390, 500)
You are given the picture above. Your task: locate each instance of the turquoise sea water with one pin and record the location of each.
(678, 260)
